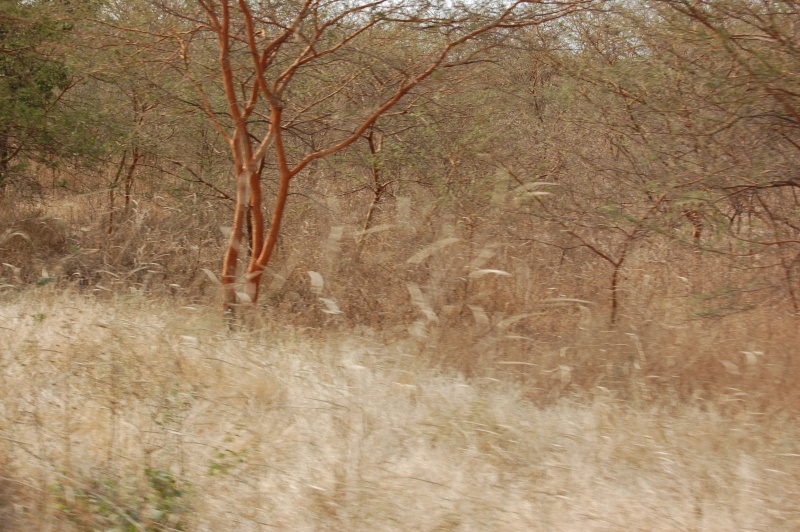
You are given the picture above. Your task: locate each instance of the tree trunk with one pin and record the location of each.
(4, 159)
(263, 254)
(378, 188)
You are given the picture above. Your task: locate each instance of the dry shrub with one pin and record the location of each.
(159, 249)
(29, 242)
(692, 326)
(462, 292)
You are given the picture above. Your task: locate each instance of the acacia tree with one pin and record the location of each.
(759, 43)
(285, 70)
(675, 120)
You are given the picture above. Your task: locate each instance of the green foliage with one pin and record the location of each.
(168, 493)
(226, 460)
(35, 123)
(106, 504)
(31, 79)
(725, 300)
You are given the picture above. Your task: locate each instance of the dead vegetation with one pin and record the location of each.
(433, 383)
(127, 413)
(557, 289)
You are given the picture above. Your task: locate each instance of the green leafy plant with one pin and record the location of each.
(106, 504)
(225, 461)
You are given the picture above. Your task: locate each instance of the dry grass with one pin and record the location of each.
(158, 248)
(131, 413)
(470, 382)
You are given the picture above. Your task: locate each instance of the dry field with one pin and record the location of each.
(127, 413)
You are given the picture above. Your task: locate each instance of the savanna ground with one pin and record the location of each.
(129, 404)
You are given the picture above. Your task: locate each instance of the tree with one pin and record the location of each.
(32, 80)
(755, 44)
(675, 122)
(285, 69)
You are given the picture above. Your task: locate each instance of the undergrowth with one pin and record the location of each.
(450, 371)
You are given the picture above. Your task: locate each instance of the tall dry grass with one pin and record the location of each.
(156, 246)
(132, 413)
(465, 293)
(438, 373)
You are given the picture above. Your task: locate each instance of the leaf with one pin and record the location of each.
(482, 273)
(565, 373)
(481, 318)
(515, 318)
(317, 283)
(566, 300)
(244, 297)
(752, 357)
(211, 276)
(730, 367)
(13, 269)
(9, 235)
(427, 251)
(529, 189)
(419, 300)
(376, 229)
(330, 306)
